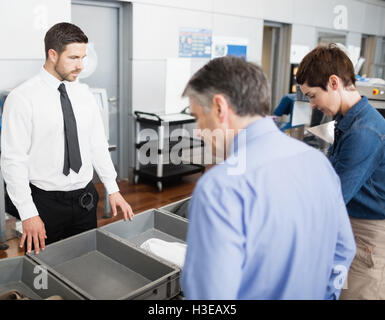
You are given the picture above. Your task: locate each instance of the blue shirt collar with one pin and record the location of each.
(345, 122)
(256, 129)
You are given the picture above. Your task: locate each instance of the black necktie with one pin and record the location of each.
(72, 158)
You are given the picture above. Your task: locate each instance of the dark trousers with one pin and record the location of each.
(62, 212)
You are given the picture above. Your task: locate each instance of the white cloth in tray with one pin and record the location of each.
(174, 252)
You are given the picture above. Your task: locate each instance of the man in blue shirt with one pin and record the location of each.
(326, 76)
(270, 221)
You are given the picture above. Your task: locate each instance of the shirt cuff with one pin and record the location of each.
(111, 187)
(27, 211)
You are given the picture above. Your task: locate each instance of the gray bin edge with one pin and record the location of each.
(138, 292)
(166, 208)
(126, 242)
(62, 283)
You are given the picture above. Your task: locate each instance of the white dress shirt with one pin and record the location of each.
(32, 141)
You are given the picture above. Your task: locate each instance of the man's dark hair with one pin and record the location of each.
(242, 83)
(62, 34)
(321, 63)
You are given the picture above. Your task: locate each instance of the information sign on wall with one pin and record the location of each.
(195, 43)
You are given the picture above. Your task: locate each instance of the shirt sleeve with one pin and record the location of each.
(215, 245)
(101, 159)
(16, 141)
(360, 153)
(344, 253)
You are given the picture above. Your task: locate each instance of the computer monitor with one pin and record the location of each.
(101, 99)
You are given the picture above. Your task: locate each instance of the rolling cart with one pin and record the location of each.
(163, 145)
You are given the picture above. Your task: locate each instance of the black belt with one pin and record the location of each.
(86, 198)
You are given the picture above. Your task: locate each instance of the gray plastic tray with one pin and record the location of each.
(100, 266)
(178, 208)
(150, 224)
(20, 274)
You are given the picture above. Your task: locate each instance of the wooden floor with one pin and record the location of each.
(141, 197)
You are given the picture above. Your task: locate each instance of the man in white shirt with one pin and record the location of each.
(52, 139)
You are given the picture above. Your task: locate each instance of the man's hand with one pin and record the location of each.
(116, 199)
(33, 230)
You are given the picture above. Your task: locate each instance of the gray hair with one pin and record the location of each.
(243, 84)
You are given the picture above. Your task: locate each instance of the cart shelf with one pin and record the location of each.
(161, 172)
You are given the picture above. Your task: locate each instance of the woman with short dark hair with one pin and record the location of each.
(326, 76)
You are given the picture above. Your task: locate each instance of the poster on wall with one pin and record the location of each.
(225, 46)
(195, 43)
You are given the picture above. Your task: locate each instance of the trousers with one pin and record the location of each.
(366, 278)
(62, 212)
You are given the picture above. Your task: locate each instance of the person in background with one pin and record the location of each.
(52, 139)
(326, 76)
(270, 221)
(285, 107)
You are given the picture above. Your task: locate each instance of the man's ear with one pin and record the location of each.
(221, 108)
(53, 56)
(334, 82)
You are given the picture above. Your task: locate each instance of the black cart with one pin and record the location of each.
(164, 144)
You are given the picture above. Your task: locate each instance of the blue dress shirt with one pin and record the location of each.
(268, 223)
(358, 156)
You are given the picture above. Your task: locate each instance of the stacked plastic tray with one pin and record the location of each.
(24, 275)
(151, 224)
(103, 264)
(179, 208)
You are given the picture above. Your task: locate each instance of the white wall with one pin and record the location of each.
(241, 27)
(155, 31)
(383, 22)
(155, 39)
(364, 16)
(303, 39)
(152, 46)
(353, 39)
(157, 23)
(23, 24)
